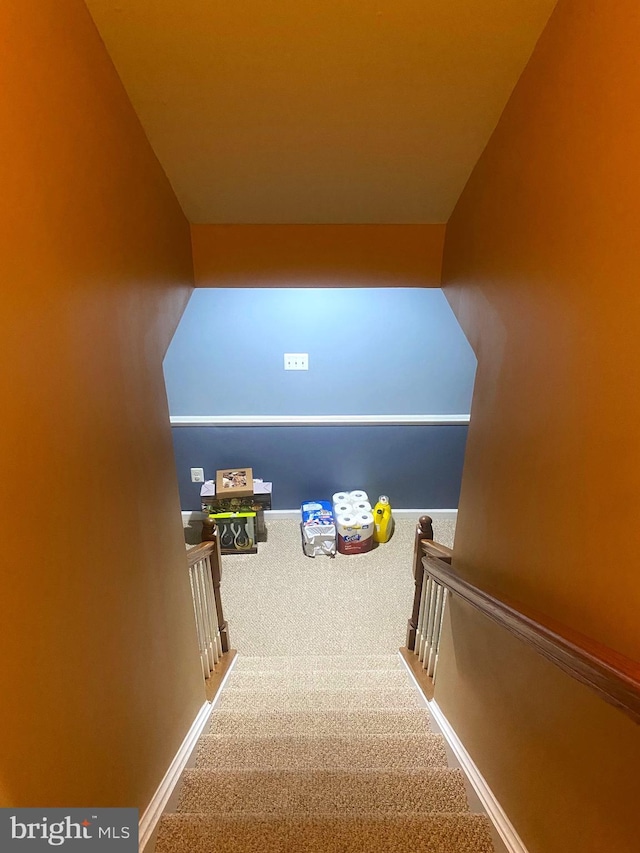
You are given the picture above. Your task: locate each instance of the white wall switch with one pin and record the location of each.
(197, 475)
(296, 361)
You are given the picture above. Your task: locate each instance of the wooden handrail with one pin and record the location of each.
(614, 677)
(435, 549)
(199, 552)
(211, 549)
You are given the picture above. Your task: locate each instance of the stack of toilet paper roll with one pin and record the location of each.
(354, 522)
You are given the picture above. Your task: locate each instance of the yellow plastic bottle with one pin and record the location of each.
(383, 520)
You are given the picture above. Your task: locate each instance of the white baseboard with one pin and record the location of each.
(191, 517)
(494, 810)
(492, 807)
(435, 514)
(152, 814)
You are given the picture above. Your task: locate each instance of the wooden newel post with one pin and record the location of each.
(424, 530)
(216, 575)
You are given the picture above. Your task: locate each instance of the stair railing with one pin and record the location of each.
(212, 631)
(430, 597)
(613, 676)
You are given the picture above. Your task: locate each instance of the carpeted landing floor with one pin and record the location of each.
(279, 602)
(319, 742)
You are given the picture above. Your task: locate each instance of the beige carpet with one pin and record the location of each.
(319, 742)
(325, 834)
(279, 602)
(321, 754)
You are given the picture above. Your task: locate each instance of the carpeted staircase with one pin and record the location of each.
(321, 755)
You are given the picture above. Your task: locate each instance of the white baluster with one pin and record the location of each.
(193, 577)
(424, 598)
(430, 620)
(425, 623)
(208, 630)
(205, 620)
(435, 627)
(445, 596)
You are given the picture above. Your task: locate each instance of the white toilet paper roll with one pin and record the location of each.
(345, 522)
(341, 498)
(363, 506)
(357, 497)
(364, 519)
(342, 509)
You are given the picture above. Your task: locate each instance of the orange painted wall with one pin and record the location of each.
(98, 665)
(317, 255)
(541, 265)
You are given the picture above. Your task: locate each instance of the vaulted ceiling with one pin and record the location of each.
(293, 111)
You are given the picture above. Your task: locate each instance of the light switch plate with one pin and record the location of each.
(296, 361)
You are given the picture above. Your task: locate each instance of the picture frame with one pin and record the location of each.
(234, 482)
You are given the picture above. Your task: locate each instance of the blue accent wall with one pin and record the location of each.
(417, 466)
(397, 351)
(371, 351)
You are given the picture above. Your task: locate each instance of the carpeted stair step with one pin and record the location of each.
(398, 754)
(280, 792)
(434, 833)
(296, 700)
(355, 724)
(317, 663)
(308, 682)
(322, 754)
